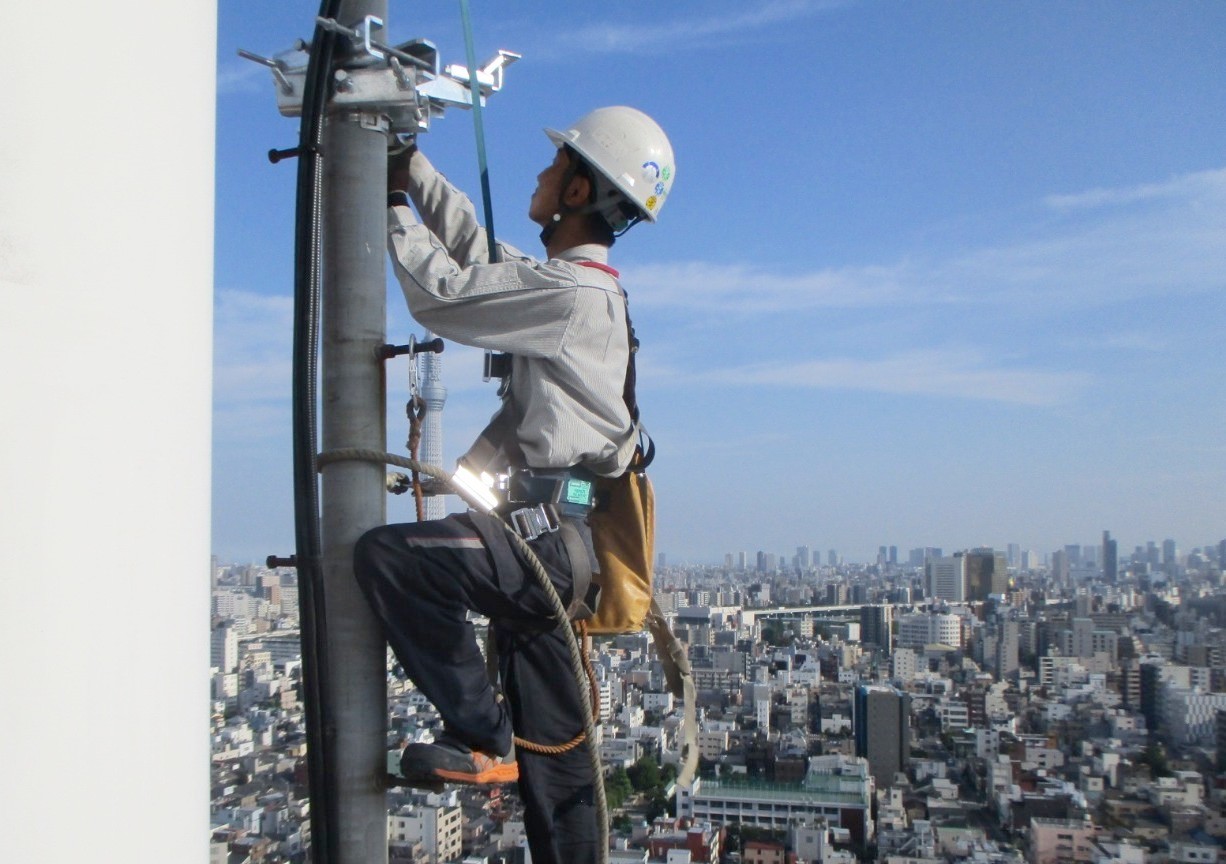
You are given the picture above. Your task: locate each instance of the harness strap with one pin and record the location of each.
(580, 569)
(646, 447)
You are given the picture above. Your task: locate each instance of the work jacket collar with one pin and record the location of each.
(585, 252)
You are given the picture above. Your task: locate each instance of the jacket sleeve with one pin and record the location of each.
(519, 305)
(448, 213)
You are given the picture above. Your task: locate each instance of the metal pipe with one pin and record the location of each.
(353, 493)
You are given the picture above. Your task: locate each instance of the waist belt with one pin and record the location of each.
(570, 491)
(542, 501)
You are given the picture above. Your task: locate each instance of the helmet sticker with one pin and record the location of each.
(659, 188)
(650, 170)
(652, 202)
(666, 173)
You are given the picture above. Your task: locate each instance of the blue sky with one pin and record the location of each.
(932, 274)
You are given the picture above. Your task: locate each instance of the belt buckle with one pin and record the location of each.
(532, 522)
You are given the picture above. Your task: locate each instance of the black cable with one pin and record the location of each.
(321, 728)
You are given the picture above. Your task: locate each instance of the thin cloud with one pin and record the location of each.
(720, 27)
(242, 76)
(1108, 254)
(958, 374)
(1186, 187)
(253, 370)
(741, 288)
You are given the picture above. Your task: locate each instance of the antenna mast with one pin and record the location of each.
(377, 91)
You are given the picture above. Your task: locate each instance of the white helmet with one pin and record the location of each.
(629, 150)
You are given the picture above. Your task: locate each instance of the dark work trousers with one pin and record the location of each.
(420, 578)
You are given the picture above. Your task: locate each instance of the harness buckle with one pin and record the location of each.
(532, 522)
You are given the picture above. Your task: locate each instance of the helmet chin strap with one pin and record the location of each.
(550, 227)
(572, 169)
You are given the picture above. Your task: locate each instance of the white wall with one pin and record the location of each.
(106, 245)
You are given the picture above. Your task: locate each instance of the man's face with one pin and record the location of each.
(544, 201)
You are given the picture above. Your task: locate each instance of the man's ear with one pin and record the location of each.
(578, 191)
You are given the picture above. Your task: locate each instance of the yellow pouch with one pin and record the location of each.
(623, 536)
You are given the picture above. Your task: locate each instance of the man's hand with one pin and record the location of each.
(398, 167)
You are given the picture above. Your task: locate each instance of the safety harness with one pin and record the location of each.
(548, 500)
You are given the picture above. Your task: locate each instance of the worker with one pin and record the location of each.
(565, 419)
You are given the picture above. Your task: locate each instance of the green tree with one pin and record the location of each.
(644, 775)
(617, 788)
(657, 806)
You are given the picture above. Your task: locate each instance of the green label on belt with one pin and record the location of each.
(578, 491)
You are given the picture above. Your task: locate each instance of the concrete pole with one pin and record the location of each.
(353, 499)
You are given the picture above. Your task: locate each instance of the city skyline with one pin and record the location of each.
(946, 276)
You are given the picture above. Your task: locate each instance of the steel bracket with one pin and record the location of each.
(406, 83)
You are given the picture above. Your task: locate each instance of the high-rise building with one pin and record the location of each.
(1081, 638)
(904, 663)
(1111, 561)
(1005, 661)
(223, 648)
(1130, 684)
(1060, 567)
(832, 558)
(946, 578)
(876, 626)
(881, 719)
(1151, 695)
(987, 573)
(923, 628)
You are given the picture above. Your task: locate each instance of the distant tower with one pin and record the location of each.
(1169, 557)
(435, 394)
(1111, 561)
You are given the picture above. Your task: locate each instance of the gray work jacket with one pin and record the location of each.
(563, 323)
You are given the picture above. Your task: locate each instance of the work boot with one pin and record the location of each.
(449, 761)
